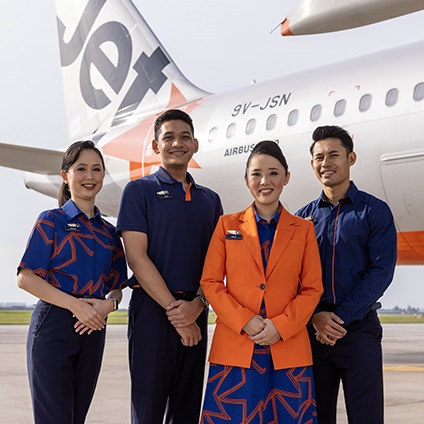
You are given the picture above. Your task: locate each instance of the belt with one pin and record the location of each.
(86, 296)
(184, 294)
(331, 308)
(178, 294)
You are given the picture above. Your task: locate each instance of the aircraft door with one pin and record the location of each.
(403, 180)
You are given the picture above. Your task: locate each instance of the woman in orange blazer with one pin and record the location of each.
(262, 276)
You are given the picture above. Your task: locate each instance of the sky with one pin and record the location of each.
(219, 46)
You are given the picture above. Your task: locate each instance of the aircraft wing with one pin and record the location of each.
(31, 159)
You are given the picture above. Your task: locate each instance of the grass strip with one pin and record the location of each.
(18, 317)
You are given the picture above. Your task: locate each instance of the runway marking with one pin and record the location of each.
(408, 368)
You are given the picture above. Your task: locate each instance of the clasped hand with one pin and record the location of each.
(182, 314)
(91, 315)
(328, 327)
(262, 331)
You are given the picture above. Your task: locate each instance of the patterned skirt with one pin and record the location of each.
(259, 394)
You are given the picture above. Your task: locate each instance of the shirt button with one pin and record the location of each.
(262, 286)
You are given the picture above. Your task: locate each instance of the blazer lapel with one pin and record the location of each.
(284, 232)
(249, 232)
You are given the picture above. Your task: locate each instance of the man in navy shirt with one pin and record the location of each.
(357, 241)
(166, 221)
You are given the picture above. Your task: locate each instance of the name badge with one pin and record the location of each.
(311, 218)
(164, 194)
(73, 226)
(233, 235)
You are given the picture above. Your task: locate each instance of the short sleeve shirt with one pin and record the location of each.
(178, 225)
(75, 254)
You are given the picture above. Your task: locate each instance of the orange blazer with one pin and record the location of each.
(235, 283)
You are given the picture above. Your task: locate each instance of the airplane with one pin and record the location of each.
(320, 16)
(118, 78)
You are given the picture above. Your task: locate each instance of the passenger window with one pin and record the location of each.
(340, 108)
(212, 134)
(250, 126)
(231, 130)
(293, 117)
(365, 102)
(392, 97)
(316, 113)
(419, 92)
(271, 122)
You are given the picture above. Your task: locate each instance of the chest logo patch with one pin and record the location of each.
(73, 226)
(164, 194)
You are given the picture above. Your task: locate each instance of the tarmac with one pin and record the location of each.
(403, 347)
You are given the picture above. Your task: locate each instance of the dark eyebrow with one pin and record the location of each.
(268, 169)
(86, 164)
(323, 153)
(174, 132)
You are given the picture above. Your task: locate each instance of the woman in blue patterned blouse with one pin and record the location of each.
(75, 264)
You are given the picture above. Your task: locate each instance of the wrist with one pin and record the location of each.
(115, 303)
(74, 307)
(202, 299)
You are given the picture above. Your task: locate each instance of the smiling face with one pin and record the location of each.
(331, 163)
(85, 177)
(266, 178)
(175, 144)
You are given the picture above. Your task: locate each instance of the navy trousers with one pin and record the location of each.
(166, 377)
(63, 366)
(356, 361)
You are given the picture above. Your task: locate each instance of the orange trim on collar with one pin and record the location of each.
(188, 193)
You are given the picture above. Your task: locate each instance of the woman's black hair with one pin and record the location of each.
(270, 148)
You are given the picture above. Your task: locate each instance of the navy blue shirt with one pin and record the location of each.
(178, 225)
(75, 254)
(357, 244)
